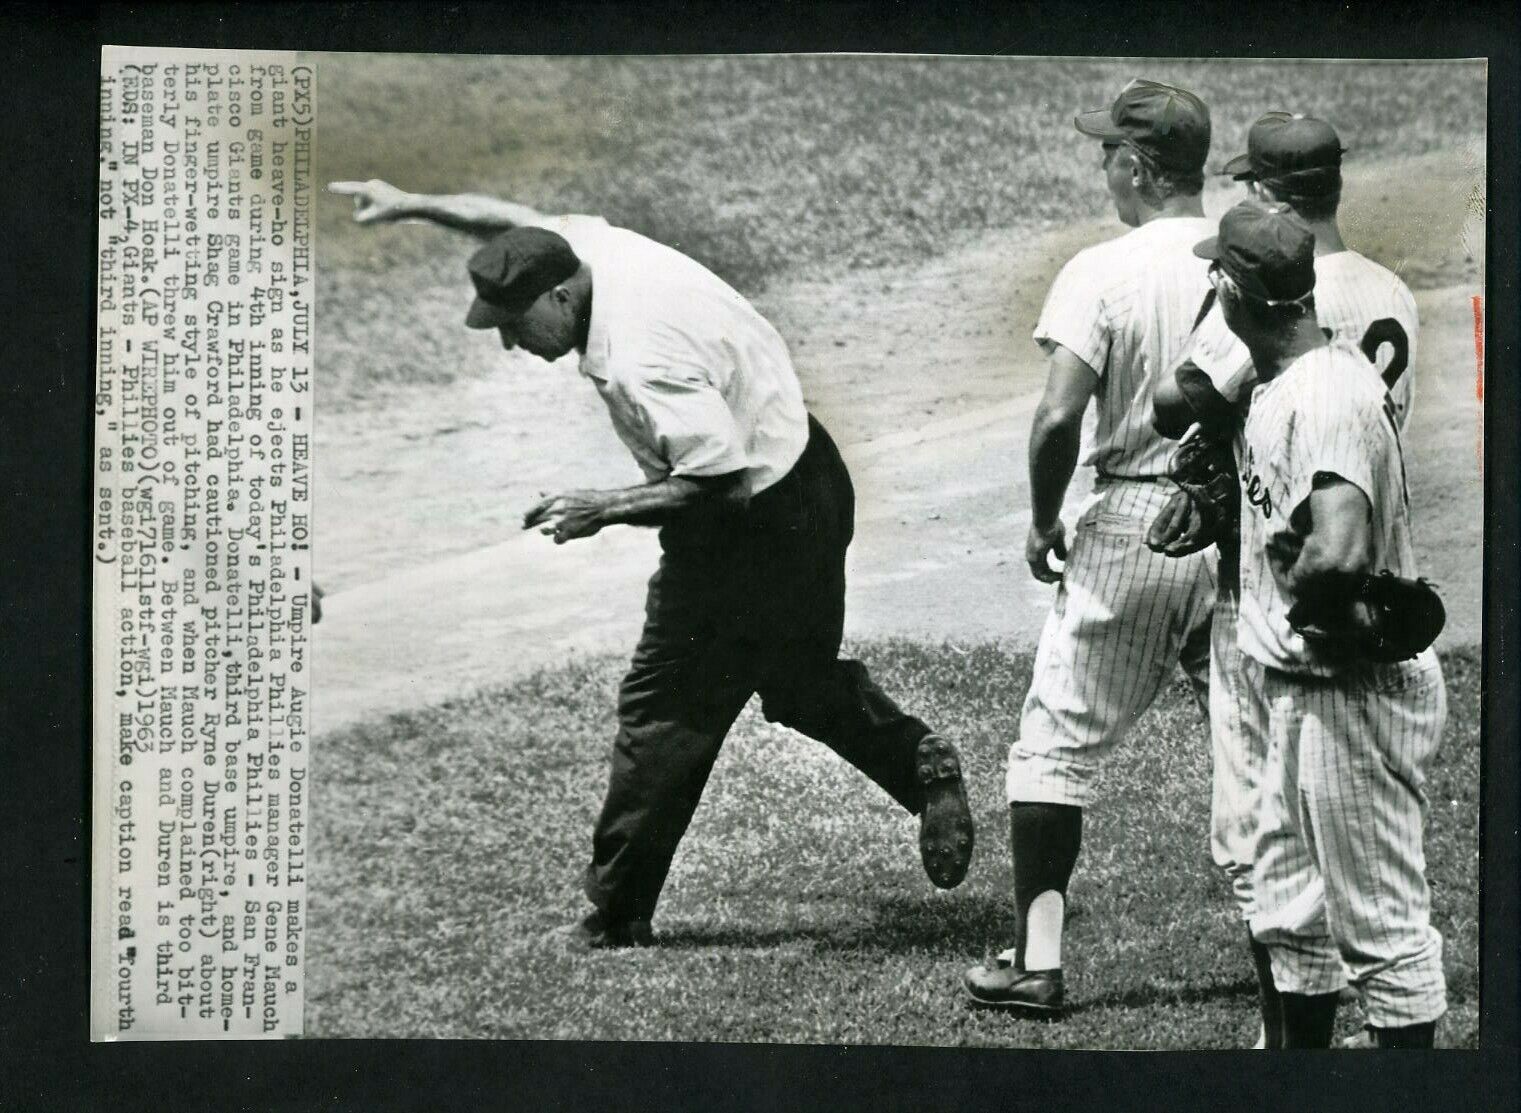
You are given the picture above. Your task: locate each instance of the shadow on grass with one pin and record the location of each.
(1138, 997)
(1147, 996)
(891, 926)
(830, 938)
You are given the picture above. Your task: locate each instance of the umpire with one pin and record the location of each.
(755, 510)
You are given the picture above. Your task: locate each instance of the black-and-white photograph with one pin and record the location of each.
(1086, 453)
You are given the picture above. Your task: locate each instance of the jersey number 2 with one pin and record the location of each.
(1385, 330)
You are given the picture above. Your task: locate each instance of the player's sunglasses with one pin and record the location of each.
(1226, 286)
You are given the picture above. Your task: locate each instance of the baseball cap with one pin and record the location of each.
(512, 270)
(1300, 153)
(1167, 123)
(1267, 250)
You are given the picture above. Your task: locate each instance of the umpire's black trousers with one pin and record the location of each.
(748, 602)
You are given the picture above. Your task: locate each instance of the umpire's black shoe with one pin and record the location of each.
(599, 932)
(945, 824)
(1002, 985)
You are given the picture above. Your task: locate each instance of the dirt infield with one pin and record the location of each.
(924, 373)
(900, 221)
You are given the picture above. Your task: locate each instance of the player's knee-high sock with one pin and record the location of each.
(1308, 1019)
(1267, 992)
(1045, 840)
(1415, 1035)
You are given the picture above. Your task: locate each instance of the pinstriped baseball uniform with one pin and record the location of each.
(1356, 300)
(1123, 615)
(1359, 301)
(1348, 741)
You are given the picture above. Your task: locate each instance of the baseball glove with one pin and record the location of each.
(1378, 618)
(1206, 508)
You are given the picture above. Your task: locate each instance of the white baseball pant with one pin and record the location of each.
(1123, 619)
(1339, 884)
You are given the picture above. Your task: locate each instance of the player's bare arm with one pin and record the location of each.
(1055, 437)
(378, 202)
(576, 514)
(1188, 396)
(1335, 555)
(1171, 415)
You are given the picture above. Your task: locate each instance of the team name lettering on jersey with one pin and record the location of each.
(1327, 414)
(1255, 488)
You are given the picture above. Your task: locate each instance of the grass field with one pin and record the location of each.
(900, 220)
(766, 167)
(797, 910)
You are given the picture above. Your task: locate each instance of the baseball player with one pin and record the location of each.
(1296, 160)
(1324, 505)
(755, 510)
(1115, 319)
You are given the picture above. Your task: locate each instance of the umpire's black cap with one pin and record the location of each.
(1292, 152)
(1267, 250)
(513, 270)
(1169, 124)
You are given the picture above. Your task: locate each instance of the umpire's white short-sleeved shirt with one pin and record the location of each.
(1326, 413)
(696, 381)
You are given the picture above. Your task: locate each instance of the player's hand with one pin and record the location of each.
(1041, 544)
(1171, 524)
(1177, 530)
(566, 517)
(1348, 626)
(375, 201)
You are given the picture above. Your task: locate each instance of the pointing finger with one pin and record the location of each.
(536, 515)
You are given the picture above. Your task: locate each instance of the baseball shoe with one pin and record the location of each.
(597, 932)
(945, 824)
(1002, 985)
(1412, 1037)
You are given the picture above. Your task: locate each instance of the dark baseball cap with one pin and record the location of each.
(1297, 153)
(513, 270)
(1167, 123)
(1268, 251)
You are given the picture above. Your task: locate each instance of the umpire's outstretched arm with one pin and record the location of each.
(378, 202)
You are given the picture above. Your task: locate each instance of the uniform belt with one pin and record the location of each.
(1102, 474)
